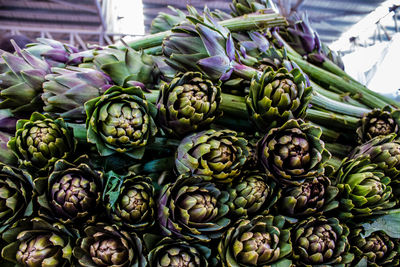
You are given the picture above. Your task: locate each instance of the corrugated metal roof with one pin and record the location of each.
(329, 17)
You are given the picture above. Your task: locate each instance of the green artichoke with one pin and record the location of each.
(130, 201)
(378, 248)
(217, 155)
(164, 22)
(71, 193)
(377, 123)
(16, 195)
(193, 209)
(364, 189)
(293, 152)
(188, 103)
(262, 241)
(107, 245)
(55, 53)
(40, 141)
(21, 78)
(67, 90)
(314, 196)
(120, 121)
(243, 7)
(254, 194)
(321, 242)
(124, 67)
(35, 242)
(176, 253)
(278, 96)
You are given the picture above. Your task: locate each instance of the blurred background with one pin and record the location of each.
(364, 32)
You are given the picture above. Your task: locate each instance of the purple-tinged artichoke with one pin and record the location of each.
(188, 103)
(262, 241)
(129, 201)
(217, 155)
(193, 209)
(107, 245)
(293, 152)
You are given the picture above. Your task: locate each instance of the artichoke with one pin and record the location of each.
(21, 78)
(120, 121)
(217, 155)
(35, 242)
(164, 22)
(378, 122)
(188, 104)
(378, 248)
(293, 152)
(254, 194)
(40, 141)
(278, 96)
(71, 193)
(193, 209)
(176, 253)
(107, 245)
(364, 189)
(243, 7)
(16, 195)
(124, 67)
(67, 90)
(130, 203)
(321, 242)
(262, 241)
(55, 53)
(6, 154)
(314, 196)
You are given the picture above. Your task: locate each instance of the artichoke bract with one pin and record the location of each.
(120, 121)
(277, 96)
(321, 242)
(378, 248)
(164, 22)
(293, 152)
(35, 242)
(216, 155)
(21, 76)
(254, 194)
(262, 241)
(6, 154)
(66, 91)
(193, 209)
(55, 53)
(378, 123)
(176, 253)
(40, 141)
(16, 195)
(131, 203)
(243, 7)
(71, 193)
(363, 189)
(188, 103)
(314, 196)
(107, 245)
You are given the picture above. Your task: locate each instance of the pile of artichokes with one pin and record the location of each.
(219, 140)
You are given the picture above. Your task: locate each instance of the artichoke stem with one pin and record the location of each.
(234, 123)
(338, 150)
(234, 106)
(332, 120)
(157, 165)
(244, 23)
(79, 131)
(334, 162)
(328, 135)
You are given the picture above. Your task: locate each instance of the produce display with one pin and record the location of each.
(217, 140)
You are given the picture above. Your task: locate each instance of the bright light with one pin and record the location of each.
(365, 27)
(129, 17)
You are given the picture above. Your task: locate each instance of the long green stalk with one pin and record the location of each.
(243, 23)
(332, 120)
(338, 150)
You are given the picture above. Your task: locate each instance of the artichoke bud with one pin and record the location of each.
(321, 241)
(315, 195)
(107, 245)
(216, 155)
(262, 241)
(193, 209)
(378, 123)
(254, 194)
(293, 152)
(278, 96)
(188, 103)
(120, 121)
(41, 141)
(134, 207)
